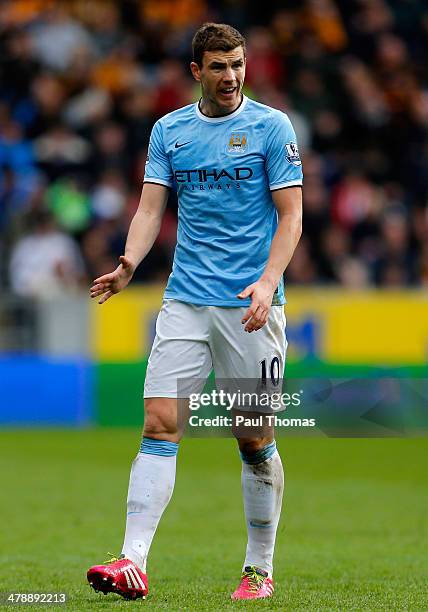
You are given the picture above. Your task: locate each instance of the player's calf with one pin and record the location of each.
(162, 419)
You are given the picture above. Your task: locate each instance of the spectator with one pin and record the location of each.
(69, 204)
(59, 151)
(109, 196)
(110, 150)
(396, 264)
(45, 262)
(56, 37)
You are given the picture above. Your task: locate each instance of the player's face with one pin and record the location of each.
(222, 77)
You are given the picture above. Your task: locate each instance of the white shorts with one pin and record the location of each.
(192, 340)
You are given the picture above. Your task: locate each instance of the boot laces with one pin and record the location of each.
(255, 580)
(112, 558)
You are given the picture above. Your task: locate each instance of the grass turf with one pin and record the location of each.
(351, 535)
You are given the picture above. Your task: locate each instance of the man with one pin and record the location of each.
(238, 175)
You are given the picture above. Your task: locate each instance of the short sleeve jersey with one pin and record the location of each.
(224, 170)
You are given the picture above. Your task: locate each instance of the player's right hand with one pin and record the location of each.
(109, 284)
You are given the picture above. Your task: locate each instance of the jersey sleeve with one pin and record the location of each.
(158, 167)
(283, 164)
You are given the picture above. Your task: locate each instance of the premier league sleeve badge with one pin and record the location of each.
(292, 154)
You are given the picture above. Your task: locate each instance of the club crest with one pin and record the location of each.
(237, 142)
(292, 154)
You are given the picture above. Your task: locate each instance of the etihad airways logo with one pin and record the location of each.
(201, 175)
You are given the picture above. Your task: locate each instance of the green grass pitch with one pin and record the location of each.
(353, 534)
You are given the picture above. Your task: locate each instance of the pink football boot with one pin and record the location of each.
(121, 576)
(255, 584)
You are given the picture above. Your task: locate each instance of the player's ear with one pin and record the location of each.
(196, 71)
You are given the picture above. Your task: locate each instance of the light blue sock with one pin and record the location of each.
(163, 448)
(259, 456)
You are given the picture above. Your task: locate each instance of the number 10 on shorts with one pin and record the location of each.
(273, 371)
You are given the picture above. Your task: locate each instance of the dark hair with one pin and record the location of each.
(215, 37)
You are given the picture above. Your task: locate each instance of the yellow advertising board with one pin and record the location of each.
(338, 326)
(124, 327)
(371, 327)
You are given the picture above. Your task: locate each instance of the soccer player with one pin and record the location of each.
(236, 167)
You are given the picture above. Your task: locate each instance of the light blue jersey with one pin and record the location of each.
(224, 169)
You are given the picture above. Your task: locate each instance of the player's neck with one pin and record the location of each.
(209, 109)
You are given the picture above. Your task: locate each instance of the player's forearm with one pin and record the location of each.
(142, 234)
(284, 243)
(146, 223)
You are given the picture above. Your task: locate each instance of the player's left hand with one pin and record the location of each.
(261, 293)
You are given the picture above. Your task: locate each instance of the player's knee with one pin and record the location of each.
(251, 447)
(160, 419)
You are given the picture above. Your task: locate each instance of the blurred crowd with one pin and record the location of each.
(82, 82)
